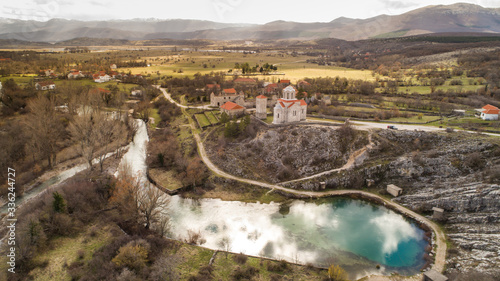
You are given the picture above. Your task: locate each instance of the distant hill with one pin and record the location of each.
(456, 18)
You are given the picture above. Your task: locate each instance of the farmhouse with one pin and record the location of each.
(101, 77)
(271, 89)
(225, 96)
(289, 109)
(74, 74)
(246, 82)
(489, 112)
(232, 109)
(45, 85)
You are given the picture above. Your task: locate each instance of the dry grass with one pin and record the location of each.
(294, 68)
(67, 251)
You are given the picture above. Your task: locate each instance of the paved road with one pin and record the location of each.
(440, 237)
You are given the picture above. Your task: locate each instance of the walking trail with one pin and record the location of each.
(440, 236)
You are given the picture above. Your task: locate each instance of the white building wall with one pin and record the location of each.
(489, 116)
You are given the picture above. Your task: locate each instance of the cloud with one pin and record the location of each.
(398, 5)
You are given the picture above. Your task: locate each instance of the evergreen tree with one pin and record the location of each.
(58, 204)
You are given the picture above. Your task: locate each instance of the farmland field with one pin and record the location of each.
(202, 120)
(211, 117)
(294, 68)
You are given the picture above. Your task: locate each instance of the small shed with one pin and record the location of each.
(438, 213)
(433, 275)
(394, 190)
(323, 185)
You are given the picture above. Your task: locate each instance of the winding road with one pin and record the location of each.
(440, 238)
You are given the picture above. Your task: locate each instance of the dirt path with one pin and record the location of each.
(356, 158)
(440, 236)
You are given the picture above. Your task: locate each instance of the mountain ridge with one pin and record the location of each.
(459, 17)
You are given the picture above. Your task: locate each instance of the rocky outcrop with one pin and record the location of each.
(285, 153)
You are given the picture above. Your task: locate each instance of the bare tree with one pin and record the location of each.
(95, 131)
(224, 244)
(44, 127)
(138, 200)
(151, 203)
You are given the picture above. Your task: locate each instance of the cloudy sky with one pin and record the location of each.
(236, 11)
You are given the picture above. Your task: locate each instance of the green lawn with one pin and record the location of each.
(414, 119)
(156, 116)
(211, 117)
(202, 120)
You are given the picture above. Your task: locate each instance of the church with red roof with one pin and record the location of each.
(289, 109)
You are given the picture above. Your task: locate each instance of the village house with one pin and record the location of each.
(101, 77)
(304, 85)
(48, 72)
(272, 89)
(113, 66)
(136, 93)
(218, 99)
(245, 82)
(232, 109)
(489, 112)
(284, 82)
(99, 91)
(209, 88)
(289, 109)
(74, 74)
(45, 85)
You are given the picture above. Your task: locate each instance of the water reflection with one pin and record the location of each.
(305, 232)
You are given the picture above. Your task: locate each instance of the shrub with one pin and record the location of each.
(240, 258)
(244, 273)
(475, 161)
(336, 273)
(134, 255)
(277, 266)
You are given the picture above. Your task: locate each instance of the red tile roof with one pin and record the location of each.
(491, 111)
(285, 81)
(244, 80)
(290, 103)
(489, 106)
(262, 97)
(210, 86)
(231, 106)
(229, 91)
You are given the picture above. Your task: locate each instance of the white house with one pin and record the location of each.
(45, 85)
(489, 112)
(101, 77)
(289, 109)
(75, 74)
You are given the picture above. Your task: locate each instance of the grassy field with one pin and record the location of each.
(166, 179)
(156, 116)
(68, 250)
(202, 120)
(290, 67)
(211, 117)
